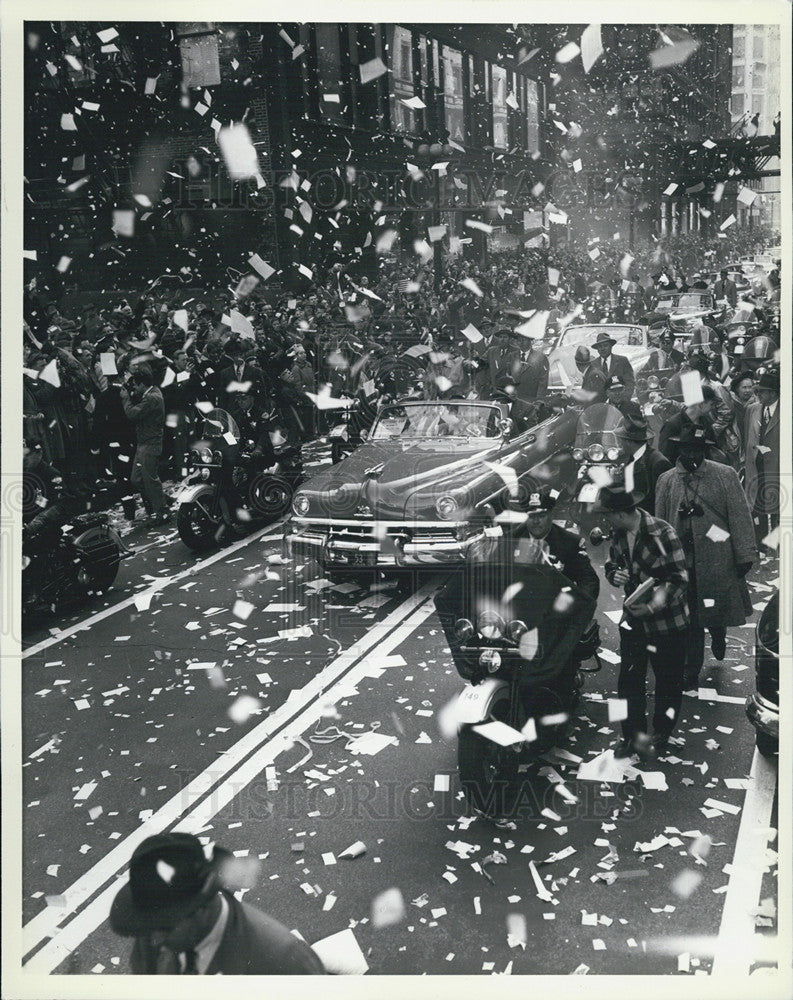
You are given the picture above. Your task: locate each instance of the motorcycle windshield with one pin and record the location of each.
(217, 424)
(600, 423)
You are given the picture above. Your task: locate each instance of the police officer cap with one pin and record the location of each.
(542, 499)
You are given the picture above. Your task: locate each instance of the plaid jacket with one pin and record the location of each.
(658, 553)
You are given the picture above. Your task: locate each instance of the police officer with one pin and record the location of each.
(548, 542)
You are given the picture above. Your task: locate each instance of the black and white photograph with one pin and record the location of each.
(396, 498)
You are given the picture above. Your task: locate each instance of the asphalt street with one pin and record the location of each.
(222, 696)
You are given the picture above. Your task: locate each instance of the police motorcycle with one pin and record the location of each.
(67, 556)
(518, 631)
(597, 449)
(758, 353)
(225, 492)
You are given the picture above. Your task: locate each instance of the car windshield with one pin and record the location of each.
(685, 300)
(576, 335)
(436, 420)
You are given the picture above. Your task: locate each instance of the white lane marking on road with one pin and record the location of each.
(65, 941)
(166, 581)
(735, 946)
(45, 923)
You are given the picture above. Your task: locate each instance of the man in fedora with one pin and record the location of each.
(654, 626)
(761, 464)
(185, 923)
(648, 464)
(614, 364)
(702, 500)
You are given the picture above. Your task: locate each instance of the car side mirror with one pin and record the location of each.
(506, 426)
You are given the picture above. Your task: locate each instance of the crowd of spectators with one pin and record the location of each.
(272, 350)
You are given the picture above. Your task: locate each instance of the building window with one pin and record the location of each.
(453, 112)
(499, 92)
(758, 77)
(758, 47)
(329, 69)
(757, 106)
(738, 47)
(738, 77)
(400, 62)
(532, 117)
(198, 47)
(738, 103)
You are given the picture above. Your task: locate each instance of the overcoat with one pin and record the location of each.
(718, 491)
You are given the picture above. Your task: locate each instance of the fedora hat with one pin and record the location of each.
(604, 338)
(169, 878)
(769, 380)
(693, 435)
(636, 430)
(613, 501)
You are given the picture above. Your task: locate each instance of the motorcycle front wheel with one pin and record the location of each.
(196, 529)
(488, 772)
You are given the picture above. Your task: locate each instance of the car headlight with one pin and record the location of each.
(206, 456)
(300, 505)
(491, 624)
(613, 454)
(446, 507)
(596, 452)
(463, 629)
(578, 454)
(516, 629)
(490, 659)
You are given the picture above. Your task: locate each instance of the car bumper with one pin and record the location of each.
(763, 714)
(391, 551)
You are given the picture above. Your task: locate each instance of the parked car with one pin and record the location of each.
(427, 485)
(631, 339)
(762, 706)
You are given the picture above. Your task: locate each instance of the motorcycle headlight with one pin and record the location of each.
(204, 473)
(596, 452)
(300, 505)
(491, 625)
(206, 456)
(516, 629)
(217, 457)
(490, 659)
(463, 629)
(652, 382)
(578, 454)
(194, 458)
(613, 454)
(446, 507)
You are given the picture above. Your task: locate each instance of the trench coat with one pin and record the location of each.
(718, 490)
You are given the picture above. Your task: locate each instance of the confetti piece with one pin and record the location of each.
(388, 908)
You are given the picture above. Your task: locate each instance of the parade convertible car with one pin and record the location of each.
(631, 340)
(426, 487)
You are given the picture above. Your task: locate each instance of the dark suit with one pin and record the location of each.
(253, 944)
(646, 473)
(250, 373)
(618, 365)
(569, 550)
